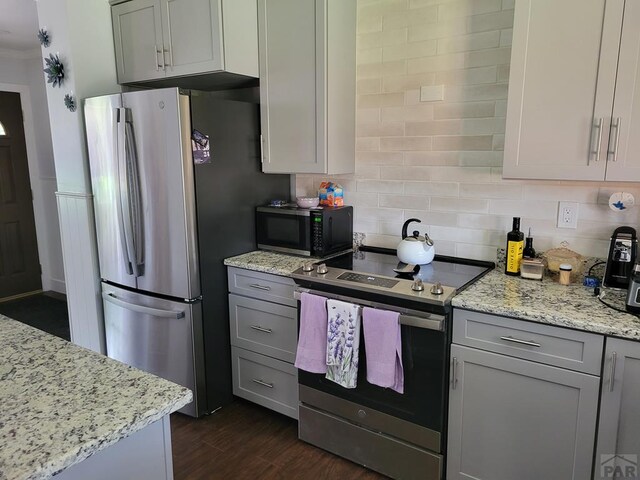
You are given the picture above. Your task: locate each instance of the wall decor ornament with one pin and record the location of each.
(54, 70)
(43, 36)
(70, 102)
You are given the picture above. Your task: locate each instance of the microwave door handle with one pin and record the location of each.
(120, 154)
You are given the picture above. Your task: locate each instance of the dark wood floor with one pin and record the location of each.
(245, 441)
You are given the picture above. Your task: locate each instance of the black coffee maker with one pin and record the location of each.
(622, 257)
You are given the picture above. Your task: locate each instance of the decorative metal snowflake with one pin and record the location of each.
(43, 36)
(70, 102)
(54, 70)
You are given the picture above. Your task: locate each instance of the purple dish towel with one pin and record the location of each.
(383, 346)
(312, 341)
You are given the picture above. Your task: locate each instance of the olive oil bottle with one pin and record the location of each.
(515, 246)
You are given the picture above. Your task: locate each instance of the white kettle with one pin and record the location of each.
(415, 249)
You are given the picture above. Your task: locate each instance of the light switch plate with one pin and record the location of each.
(432, 93)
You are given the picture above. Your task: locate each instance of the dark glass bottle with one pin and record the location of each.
(515, 246)
(529, 251)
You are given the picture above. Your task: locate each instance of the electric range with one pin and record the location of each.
(399, 435)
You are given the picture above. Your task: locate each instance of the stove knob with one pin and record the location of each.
(437, 289)
(322, 269)
(308, 267)
(417, 286)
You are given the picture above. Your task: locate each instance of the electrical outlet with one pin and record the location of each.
(567, 215)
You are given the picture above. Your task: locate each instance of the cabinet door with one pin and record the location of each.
(618, 432)
(563, 69)
(192, 36)
(624, 141)
(512, 418)
(291, 85)
(137, 35)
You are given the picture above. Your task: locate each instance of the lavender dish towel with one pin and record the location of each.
(343, 342)
(312, 341)
(383, 348)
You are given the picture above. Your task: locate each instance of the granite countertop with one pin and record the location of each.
(60, 403)
(267, 262)
(572, 306)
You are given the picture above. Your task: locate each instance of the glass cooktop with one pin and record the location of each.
(450, 271)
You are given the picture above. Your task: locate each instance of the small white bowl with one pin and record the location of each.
(307, 202)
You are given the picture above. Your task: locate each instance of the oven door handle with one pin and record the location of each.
(410, 318)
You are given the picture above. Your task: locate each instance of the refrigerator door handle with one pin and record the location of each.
(133, 190)
(156, 312)
(120, 154)
(125, 201)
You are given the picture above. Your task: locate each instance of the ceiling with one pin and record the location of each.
(18, 25)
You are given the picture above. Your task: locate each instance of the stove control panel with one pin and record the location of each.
(368, 279)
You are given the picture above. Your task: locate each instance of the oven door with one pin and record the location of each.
(416, 416)
(281, 230)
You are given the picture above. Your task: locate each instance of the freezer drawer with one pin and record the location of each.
(158, 336)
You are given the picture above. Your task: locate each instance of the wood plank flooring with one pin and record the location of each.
(246, 441)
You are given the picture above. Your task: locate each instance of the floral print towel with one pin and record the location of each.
(343, 342)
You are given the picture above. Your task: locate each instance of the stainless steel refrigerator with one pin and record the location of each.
(176, 178)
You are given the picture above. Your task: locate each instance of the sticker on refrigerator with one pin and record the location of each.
(201, 147)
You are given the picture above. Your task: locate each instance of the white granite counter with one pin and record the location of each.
(572, 306)
(267, 262)
(60, 403)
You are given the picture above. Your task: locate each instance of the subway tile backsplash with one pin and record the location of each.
(441, 161)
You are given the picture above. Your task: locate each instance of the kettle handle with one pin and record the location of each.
(406, 224)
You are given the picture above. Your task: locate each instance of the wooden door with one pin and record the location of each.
(19, 263)
(137, 37)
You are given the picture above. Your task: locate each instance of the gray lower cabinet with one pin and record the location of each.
(513, 417)
(618, 448)
(263, 321)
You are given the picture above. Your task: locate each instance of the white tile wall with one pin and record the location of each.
(441, 161)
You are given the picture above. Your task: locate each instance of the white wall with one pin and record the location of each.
(23, 73)
(442, 161)
(81, 33)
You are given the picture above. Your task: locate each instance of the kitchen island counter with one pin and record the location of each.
(61, 404)
(268, 262)
(546, 301)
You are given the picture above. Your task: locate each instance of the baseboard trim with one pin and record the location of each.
(20, 295)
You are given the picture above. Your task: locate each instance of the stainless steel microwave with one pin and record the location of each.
(316, 232)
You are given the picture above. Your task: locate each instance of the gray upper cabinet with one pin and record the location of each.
(569, 61)
(156, 39)
(307, 85)
(618, 433)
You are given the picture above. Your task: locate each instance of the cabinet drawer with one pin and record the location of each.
(547, 344)
(263, 327)
(264, 286)
(265, 381)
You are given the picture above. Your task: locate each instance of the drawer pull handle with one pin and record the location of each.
(261, 329)
(521, 342)
(264, 384)
(612, 374)
(260, 287)
(454, 376)
(596, 152)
